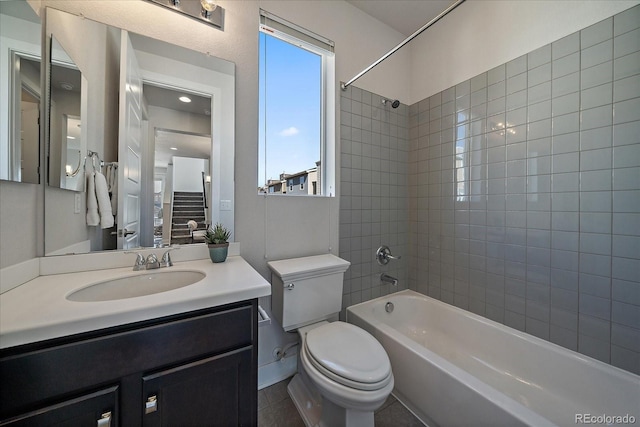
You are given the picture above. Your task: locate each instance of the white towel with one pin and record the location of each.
(104, 204)
(93, 218)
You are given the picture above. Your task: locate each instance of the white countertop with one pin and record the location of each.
(38, 310)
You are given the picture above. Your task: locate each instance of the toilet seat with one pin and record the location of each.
(349, 356)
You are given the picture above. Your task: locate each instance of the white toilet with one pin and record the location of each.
(344, 373)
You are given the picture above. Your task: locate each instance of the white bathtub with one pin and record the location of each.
(454, 368)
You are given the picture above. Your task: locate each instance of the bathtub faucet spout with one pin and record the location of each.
(385, 278)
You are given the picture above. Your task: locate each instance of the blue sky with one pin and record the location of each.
(291, 96)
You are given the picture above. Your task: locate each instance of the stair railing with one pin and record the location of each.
(204, 193)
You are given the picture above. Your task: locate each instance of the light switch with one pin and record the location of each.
(77, 203)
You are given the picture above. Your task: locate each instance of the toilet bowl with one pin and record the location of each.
(345, 375)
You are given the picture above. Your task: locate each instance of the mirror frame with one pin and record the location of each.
(223, 138)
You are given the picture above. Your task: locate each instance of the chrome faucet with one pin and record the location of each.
(166, 259)
(152, 262)
(385, 278)
(140, 262)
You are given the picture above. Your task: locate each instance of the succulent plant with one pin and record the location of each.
(216, 235)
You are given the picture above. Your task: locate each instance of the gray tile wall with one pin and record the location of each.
(374, 193)
(524, 190)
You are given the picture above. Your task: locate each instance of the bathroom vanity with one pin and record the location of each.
(193, 366)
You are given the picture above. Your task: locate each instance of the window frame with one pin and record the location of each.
(287, 32)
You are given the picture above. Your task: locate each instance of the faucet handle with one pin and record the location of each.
(140, 261)
(383, 255)
(166, 258)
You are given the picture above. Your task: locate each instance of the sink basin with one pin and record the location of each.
(136, 285)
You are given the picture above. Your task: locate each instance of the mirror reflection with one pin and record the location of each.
(66, 142)
(181, 173)
(167, 162)
(20, 92)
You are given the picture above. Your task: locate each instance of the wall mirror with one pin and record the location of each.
(67, 141)
(20, 94)
(158, 125)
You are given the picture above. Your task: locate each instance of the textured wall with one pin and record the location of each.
(527, 180)
(374, 200)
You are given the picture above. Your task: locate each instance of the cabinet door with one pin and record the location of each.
(96, 409)
(216, 391)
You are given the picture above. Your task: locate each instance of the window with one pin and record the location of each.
(297, 107)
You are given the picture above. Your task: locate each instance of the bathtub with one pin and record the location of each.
(454, 368)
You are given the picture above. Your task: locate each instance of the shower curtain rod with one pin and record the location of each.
(407, 40)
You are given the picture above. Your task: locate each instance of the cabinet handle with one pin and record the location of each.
(151, 405)
(105, 420)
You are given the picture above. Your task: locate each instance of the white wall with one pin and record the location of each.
(18, 222)
(187, 174)
(479, 35)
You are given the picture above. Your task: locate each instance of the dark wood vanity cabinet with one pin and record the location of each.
(193, 369)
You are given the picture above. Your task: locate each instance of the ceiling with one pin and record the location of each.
(170, 143)
(184, 144)
(19, 9)
(404, 16)
(169, 98)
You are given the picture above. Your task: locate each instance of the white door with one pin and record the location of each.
(129, 147)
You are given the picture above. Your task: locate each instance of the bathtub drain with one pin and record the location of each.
(388, 307)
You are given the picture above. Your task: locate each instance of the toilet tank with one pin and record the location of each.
(306, 290)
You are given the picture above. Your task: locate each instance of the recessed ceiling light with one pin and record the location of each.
(66, 86)
(173, 148)
(185, 99)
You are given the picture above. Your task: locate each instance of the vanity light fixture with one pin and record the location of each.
(185, 99)
(208, 6)
(202, 10)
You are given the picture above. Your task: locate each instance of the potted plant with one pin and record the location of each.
(217, 238)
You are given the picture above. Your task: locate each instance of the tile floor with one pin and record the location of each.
(276, 409)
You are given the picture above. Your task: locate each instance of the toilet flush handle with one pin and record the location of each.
(290, 286)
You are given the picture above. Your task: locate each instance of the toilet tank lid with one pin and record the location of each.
(317, 265)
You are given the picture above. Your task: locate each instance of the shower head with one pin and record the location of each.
(394, 104)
